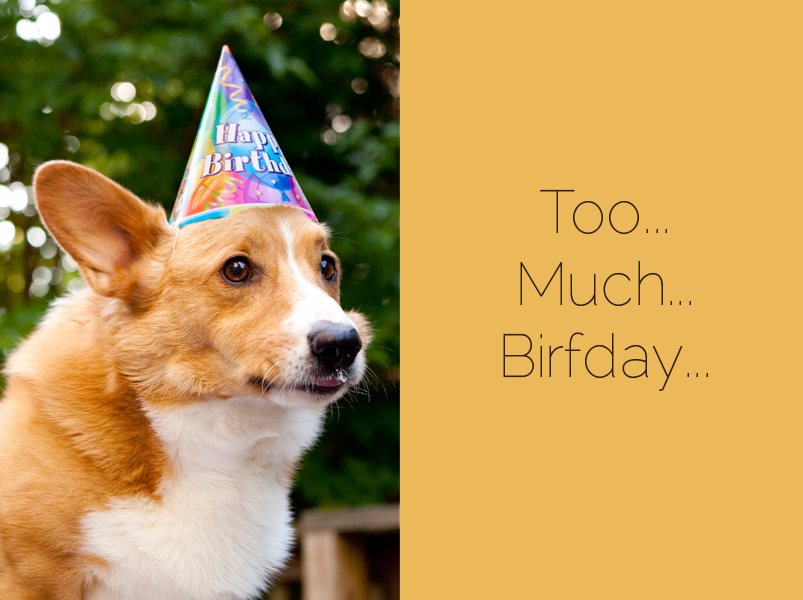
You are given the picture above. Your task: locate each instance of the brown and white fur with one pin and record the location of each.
(151, 424)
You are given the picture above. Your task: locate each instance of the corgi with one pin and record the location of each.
(152, 422)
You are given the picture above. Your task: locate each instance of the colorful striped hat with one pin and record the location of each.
(236, 162)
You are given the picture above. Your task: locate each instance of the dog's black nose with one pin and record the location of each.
(335, 345)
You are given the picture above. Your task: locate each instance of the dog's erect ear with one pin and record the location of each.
(103, 226)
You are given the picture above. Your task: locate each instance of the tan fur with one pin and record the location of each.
(154, 325)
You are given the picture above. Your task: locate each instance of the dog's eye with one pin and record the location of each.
(328, 269)
(237, 270)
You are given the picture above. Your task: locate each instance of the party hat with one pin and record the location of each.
(235, 161)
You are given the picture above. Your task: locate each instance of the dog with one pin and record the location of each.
(152, 422)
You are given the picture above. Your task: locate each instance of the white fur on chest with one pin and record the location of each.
(222, 525)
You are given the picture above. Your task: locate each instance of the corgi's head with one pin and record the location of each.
(246, 305)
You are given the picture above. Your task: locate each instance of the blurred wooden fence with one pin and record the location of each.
(345, 554)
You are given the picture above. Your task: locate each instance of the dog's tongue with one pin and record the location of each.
(329, 382)
(339, 378)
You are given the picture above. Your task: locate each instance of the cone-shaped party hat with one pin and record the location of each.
(235, 162)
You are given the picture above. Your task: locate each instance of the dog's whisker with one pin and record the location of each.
(266, 384)
(376, 380)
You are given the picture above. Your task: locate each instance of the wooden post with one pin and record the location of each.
(333, 567)
(334, 562)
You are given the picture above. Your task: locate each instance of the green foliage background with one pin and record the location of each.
(56, 103)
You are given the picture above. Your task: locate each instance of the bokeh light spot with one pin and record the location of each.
(341, 123)
(27, 30)
(42, 275)
(328, 32)
(359, 85)
(174, 87)
(49, 249)
(150, 110)
(49, 25)
(55, 276)
(39, 289)
(45, 29)
(136, 113)
(347, 12)
(106, 111)
(329, 137)
(124, 91)
(66, 263)
(362, 8)
(71, 143)
(272, 20)
(7, 231)
(376, 13)
(36, 236)
(18, 199)
(15, 283)
(372, 47)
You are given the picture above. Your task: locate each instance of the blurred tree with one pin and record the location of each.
(120, 87)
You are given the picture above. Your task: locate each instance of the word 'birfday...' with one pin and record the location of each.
(528, 356)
